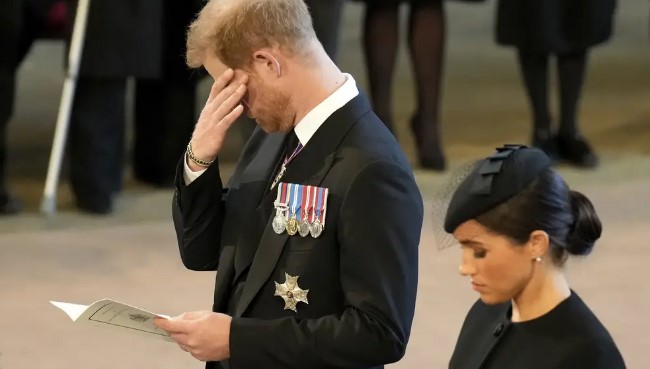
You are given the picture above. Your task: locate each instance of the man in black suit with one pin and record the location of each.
(10, 19)
(315, 237)
(123, 39)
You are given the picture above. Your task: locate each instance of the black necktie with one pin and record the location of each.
(292, 143)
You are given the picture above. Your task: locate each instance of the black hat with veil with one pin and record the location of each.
(477, 187)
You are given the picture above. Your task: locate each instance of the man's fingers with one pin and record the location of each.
(172, 325)
(228, 90)
(161, 323)
(230, 103)
(191, 315)
(230, 118)
(221, 97)
(220, 83)
(180, 338)
(220, 90)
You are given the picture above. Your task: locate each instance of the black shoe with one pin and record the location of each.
(95, 206)
(9, 205)
(576, 151)
(429, 152)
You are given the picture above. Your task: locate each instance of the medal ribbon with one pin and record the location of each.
(289, 192)
(319, 205)
(282, 196)
(279, 197)
(312, 208)
(305, 203)
(296, 151)
(284, 193)
(294, 203)
(326, 191)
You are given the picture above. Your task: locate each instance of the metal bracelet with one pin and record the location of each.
(196, 160)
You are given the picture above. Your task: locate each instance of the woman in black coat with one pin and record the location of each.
(567, 30)
(517, 222)
(426, 41)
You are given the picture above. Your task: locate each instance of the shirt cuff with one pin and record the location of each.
(188, 175)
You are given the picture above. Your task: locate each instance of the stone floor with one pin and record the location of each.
(131, 256)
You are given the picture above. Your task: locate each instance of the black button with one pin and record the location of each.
(498, 330)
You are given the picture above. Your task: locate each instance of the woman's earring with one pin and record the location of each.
(538, 259)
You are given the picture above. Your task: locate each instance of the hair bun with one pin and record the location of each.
(586, 225)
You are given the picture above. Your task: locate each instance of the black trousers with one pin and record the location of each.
(7, 91)
(96, 139)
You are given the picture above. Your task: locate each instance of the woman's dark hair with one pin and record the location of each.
(547, 204)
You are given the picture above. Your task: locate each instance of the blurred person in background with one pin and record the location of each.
(165, 106)
(539, 29)
(426, 41)
(123, 38)
(326, 18)
(10, 24)
(21, 22)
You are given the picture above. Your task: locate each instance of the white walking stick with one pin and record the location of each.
(48, 202)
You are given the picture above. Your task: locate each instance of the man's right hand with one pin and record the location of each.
(219, 113)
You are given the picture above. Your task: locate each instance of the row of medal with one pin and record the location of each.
(300, 209)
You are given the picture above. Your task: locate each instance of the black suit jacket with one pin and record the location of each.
(10, 23)
(123, 38)
(568, 337)
(361, 273)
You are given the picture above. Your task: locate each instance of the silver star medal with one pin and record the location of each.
(290, 292)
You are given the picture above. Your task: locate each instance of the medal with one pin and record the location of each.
(303, 225)
(283, 169)
(291, 293)
(292, 224)
(279, 223)
(317, 227)
(280, 219)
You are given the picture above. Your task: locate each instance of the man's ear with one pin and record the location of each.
(266, 63)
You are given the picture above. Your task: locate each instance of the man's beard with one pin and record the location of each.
(275, 112)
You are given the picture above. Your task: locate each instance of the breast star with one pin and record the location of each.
(290, 292)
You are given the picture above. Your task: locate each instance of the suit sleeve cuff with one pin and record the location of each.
(188, 175)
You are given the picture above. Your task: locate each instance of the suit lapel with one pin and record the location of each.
(224, 279)
(263, 165)
(309, 167)
(251, 186)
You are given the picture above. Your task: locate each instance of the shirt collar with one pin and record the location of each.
(308, 125)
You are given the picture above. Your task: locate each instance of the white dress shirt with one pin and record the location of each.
(308, 125)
